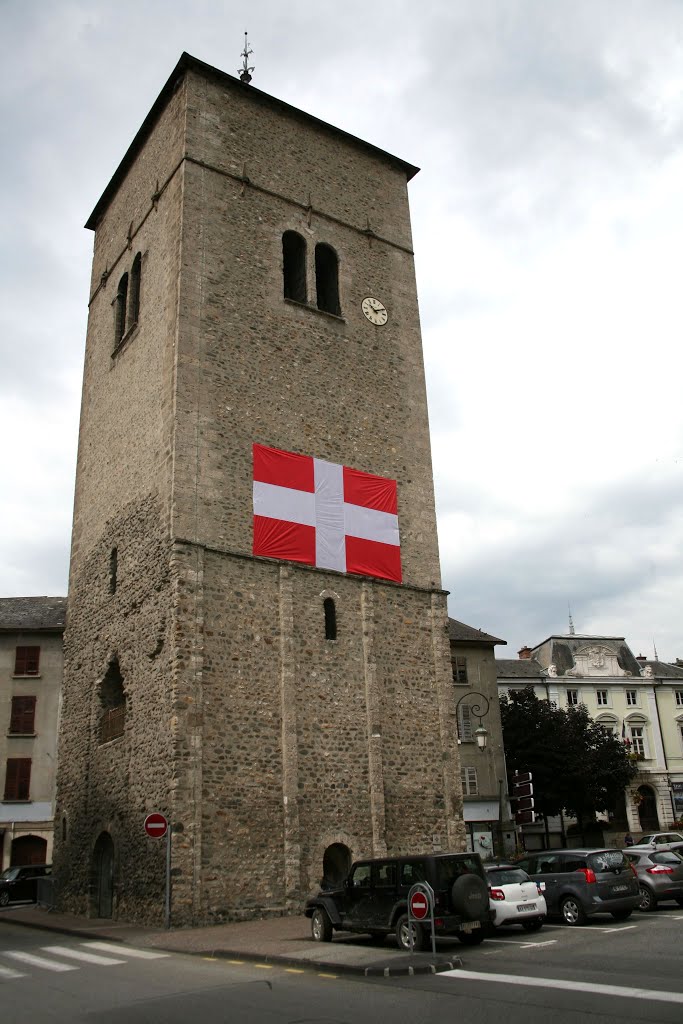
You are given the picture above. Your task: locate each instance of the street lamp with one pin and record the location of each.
(480, 733)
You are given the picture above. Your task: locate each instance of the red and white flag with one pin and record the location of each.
(315, 512)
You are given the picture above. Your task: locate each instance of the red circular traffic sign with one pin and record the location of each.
(156, 825)
(419, 905)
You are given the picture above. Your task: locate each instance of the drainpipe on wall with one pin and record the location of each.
(666, 763)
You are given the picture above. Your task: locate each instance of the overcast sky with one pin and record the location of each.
(548, 229)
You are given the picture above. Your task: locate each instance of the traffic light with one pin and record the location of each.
(522, 798)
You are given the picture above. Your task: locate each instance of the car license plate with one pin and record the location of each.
(619, 888)
(470, 926)
(525, 906)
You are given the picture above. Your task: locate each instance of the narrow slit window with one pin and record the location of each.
(330, 619)
(120, 308)
(294, 266)
(134, 291)
(112, 703)
(113, 570)
(327, 279)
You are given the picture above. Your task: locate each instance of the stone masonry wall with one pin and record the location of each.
(112, 786)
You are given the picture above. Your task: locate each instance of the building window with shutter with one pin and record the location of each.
(18, 778)
(26, 661)
(22, 719)
(459, 666)
(465, 732)
(637, 740)
(468, 777)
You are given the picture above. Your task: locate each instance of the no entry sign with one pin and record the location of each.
(419, 905)
(156, 826)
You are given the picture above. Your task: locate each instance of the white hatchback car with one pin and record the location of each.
(514, 897)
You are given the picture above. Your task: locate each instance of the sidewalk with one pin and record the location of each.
(284, 940)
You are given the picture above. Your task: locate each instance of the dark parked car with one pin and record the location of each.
(374, 899)
(660, 876)
(579, 883)
(20, 883)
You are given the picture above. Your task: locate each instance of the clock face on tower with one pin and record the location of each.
(375, 311)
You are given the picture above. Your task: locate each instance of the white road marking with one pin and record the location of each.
(571, 986)
(37, 961)
(533, 945)
(8, 973)
(112, 947)
(611, 931)
(79, 954)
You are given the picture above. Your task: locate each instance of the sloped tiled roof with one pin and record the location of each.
(519, 668)
(461, 631)
(32, 613)
(662, 669)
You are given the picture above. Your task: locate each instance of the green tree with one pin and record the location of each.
(577, 766)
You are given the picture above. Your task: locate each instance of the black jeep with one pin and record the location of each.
(374, 899)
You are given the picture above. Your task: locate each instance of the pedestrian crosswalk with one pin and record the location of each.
(69, 958)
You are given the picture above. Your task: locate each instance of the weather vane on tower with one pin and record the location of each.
(245, 71)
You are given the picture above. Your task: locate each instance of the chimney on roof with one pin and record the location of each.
(524, 653)
(641, 658)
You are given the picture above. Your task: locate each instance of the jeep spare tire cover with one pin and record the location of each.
(470, 897)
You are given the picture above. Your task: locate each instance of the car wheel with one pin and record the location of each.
(621, 915)
(532, 926)
(572, 911)
(403, 930)
(471, 938)
(647, 900)
(321, 926)
(4, 898)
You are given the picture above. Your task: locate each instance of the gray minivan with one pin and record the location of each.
(579, 883)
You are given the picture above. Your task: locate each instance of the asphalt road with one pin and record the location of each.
(605, 972)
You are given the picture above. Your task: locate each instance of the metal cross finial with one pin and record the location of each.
(571, 621)
(245, 71)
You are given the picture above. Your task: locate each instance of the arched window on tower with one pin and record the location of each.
(120, 304)
(112, 703)
(327, 279)
(330, 619)
(294, 266)
(134, 292)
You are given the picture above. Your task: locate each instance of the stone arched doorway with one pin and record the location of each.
(28, 850)
(103, 876)
(647, 809)
(336, 864)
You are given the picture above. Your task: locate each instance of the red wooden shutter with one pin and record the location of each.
(18, 778)
(26, 661)
(23, 715)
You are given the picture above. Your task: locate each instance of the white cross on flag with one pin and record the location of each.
(315, 512)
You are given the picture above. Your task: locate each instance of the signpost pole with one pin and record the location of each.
(167, 914)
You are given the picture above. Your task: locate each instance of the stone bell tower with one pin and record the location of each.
(273, 679)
